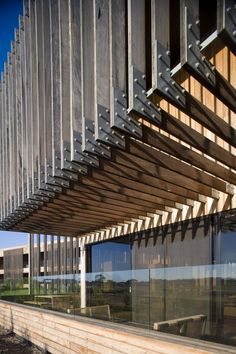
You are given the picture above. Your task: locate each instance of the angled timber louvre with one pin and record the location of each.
(117, 111)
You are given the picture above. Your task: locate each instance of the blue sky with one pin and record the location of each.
(11, 239)
(9, 13)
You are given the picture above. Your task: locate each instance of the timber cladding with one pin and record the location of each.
(61, 335)
(100, 132)
(13, 264)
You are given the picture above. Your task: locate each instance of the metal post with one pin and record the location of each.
(45, 255)
(77, 255)
(65, 255)
(30, 239)
(71, 256)
(52, 255)
(45, 260)
(38, 255)
(82, 275)
(58, 263)
(58, 255)
(52, 260)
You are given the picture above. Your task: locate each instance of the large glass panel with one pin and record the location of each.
(111, 256)
(179, 279)
(109, 295)
(180, 300)
(225, 285)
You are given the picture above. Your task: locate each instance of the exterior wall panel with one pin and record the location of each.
(51, 332)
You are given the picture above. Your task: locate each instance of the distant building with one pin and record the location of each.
(14, 268)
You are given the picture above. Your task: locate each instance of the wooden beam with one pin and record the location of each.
(195, 63)
(183, 153)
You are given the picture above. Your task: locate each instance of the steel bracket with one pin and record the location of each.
(43, 195)
(119, 118)
(226, 22)
(56, 180)
(67, 164)
(60, 170)
(192, 55)
(29, 206)
(45, 187)
(104, 132)
(36, 201)
(167, 87)
(139, 102)
(82, 158)
(90, 145)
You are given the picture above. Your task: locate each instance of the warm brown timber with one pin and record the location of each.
(182, 152)
(185, 133)
(177, 166)
(221, 88)
(77, 59)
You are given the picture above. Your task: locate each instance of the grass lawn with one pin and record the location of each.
(14, 292)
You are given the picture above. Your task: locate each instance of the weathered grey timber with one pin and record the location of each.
(226, 26)
(96, 126)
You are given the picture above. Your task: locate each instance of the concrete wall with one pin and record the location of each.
(58, 333)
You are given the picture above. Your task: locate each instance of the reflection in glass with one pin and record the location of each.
(179, 279)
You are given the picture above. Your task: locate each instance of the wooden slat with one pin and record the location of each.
(164, 85)
(185, 133)
(34, 105)
(18, 104)
(40, 93)
(219, 86)
(87, 161)
(10, 119)
(56, 87)
(47, 57)
(75, 77)
(176, 166)
(173, 148)
(28, 100)
(65, 85)
(1, 147)
(23, 106)
(88, 73)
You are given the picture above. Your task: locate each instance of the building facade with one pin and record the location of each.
(14, 269)
(118, 137)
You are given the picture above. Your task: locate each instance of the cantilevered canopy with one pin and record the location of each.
(98, 128)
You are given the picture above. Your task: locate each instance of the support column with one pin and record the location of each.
(30, 261)
(38, 256)
(58, 255)
(71, 256)
(52, 261)
(45, 260)
(65, 255)
(82, 275)
(45, 254)
(58, 264)
(52, 255)
(77, 255)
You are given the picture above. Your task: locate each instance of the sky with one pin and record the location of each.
(9, 13)
(12, 239)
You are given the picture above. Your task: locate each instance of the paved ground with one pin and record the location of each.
(12, 344)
